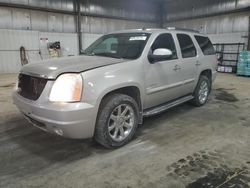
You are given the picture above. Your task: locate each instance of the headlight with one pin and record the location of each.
(67, 88)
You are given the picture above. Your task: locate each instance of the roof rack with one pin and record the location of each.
(182, 29)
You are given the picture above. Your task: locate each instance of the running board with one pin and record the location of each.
(166, 106)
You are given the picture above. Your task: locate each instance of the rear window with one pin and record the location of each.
(187, 46)
(205, 45)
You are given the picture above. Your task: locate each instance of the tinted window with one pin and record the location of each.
(205, 45)
(120, 45)
(165, 41)
(186, 45)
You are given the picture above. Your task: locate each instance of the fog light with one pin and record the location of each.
(58, 131)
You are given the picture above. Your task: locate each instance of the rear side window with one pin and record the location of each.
(187, 46)
(165, 41)
(205, 45)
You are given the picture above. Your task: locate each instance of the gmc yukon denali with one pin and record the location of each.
(119, 79)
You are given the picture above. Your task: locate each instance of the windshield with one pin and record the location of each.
(120, 45)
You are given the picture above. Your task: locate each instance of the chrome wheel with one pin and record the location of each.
(203, 92)
(121, 122)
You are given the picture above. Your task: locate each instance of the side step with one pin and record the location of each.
(166, 106)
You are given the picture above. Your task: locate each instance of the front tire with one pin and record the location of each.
(117, 120)
(202, 91)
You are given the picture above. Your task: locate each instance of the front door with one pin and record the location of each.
(163, 79)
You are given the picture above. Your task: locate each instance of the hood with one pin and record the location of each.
(53, 67)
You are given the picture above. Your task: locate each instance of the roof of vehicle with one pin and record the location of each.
(158, 30)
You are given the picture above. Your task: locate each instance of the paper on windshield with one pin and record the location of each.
(138, 38)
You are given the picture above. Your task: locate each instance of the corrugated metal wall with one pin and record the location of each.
(33, 41)
(218, 18)
(98, 16)
(229, 23)
(56, 19)
(24, 22)
(144, 10)
(105, 25)
(23, 19)
(11, 41)
(183, 10)
(51, 4)
(11, 18)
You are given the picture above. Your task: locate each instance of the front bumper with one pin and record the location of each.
(71, 120)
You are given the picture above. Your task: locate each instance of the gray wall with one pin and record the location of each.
(26, 22)
(144, 10)
(228, 23)
(224, 20)
(183, 10)
(98, 16)
(23, 19)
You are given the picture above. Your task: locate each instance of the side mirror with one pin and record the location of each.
(160, 54)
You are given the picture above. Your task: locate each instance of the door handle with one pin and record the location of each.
(198, 63)
(176, 68)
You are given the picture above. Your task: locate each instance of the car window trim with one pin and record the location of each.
(173, 42)
(196, 51)
(200, 46)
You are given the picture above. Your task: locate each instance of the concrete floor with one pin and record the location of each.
(184, 147)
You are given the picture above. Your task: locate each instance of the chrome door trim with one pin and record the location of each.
(161, 88)
(188, 81)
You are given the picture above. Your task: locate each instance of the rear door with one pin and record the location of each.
(208, 60)
(189, 62)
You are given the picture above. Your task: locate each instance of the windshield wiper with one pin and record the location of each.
(88, 54)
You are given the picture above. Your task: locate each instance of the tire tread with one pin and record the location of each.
(106, 107)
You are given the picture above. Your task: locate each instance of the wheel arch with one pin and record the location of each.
(208, 74)
(130, 90)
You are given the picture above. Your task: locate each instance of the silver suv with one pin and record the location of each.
(121, 78)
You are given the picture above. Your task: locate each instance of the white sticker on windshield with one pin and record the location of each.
(138, 38)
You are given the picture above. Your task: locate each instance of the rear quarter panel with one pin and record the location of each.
(208, 62)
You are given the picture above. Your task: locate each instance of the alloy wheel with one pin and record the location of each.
(121, 122)
(203, 92)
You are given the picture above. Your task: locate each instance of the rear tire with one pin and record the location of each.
(202, 91)
(117, 120)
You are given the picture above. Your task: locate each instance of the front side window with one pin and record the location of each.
(120, 45)
(187, 46)
(205, 45)
(165, 41)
